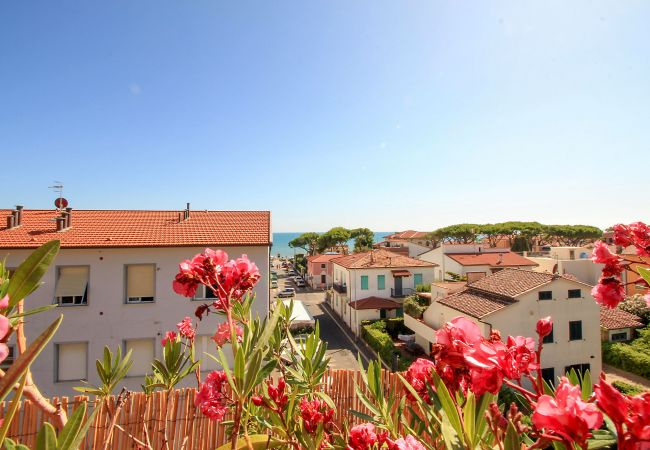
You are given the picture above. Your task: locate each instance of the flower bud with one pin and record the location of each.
(544, 327)
(257, 400)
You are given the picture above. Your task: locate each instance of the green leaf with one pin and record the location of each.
(447, 403)
(27, 276)
(71, 428)
(46, 438)
(511, 441)
(76, 442)
(469, 419)
(22, 363)
(40, 309)
(13, 407)
(587, 387)
(645, 274)
(258, 441)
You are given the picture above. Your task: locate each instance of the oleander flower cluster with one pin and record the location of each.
(610, 290)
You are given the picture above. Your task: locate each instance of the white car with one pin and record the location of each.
(274, 284)
(300, 283)
(287, 292)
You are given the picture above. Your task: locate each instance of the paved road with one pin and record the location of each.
(341, 348)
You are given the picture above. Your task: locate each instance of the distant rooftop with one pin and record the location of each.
(379, 258)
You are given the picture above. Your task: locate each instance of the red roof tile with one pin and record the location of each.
(123, 228)
(511, 282)
(379, 258)
(374, 303)
(473, 304)
(615, 319)
(322, 258)
(408, 234)
(495, 259)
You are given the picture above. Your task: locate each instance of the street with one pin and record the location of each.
(341, 348)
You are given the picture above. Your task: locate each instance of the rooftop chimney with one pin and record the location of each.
(60, 223)
(10, 222)
(19, 209)
(68, 217)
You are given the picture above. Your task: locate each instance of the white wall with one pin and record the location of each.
(106, 319)
(356, 293)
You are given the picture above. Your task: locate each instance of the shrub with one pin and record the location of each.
(627, 357)
(627, 388)
(379, 341)
(413, 307)
(637, 306)
(423, 288)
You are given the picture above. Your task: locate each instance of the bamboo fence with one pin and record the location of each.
(185, 426)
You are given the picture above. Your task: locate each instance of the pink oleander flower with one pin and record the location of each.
(170, 336)
(520, 357)
(408, 443)
(315, 412)
(278, 395)
(544, 327)
(223, 334)
(636, 234)
(4, 303)
(566, 415)
(186, 329)
(602, 255)
(609, 292)
(630, 414)
(647, 299)
(5, 326)
(420, 375)
(362, 437)
(211, 397)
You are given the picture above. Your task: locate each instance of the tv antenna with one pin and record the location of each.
(60, 202)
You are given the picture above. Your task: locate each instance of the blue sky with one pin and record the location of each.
(384, 114)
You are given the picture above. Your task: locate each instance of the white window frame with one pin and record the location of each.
(83, 299)
(203, 298)
(138, 300)
(124, 350)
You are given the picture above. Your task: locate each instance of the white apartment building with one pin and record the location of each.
(473, 260)
(512, 301)
(574, 261)
(112, 280)
(372, 284)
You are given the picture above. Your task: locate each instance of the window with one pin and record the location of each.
(140, 281)
(579, 368)
(548, 375)
(71, 361)
(72, 286)
(575, 293)
(323, 278)
(575, 330)
(545, 295)
(381, 282)
(9, 360)
(204, 293)
(548, 339)
(142, 356)
(417, 279)
(364, 282)
(572, 254)
(622, 336)
(322, 266)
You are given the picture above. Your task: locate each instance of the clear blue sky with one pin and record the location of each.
(386, 114)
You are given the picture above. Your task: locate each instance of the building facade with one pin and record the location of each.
(112, 282)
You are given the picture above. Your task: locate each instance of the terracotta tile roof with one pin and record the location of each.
(379, 258)
(374, 303)
(451, 286)
(408, 234)
(322, 258)
(122, 228)
(513, 282)
(473, 304)
(495, 259)
(615, 319)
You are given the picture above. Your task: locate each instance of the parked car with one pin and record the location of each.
(274, 284)
(300, 283)
(287, 292)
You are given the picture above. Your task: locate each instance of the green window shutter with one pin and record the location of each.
(364, 282)
(417, 278)
(381, 282)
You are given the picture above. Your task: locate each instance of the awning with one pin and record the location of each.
(374, 303)
(401, 273)
(72, 282)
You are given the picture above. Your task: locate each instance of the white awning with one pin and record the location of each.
(72, 281)
(300, 317)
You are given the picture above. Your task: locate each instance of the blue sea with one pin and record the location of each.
(281, 242)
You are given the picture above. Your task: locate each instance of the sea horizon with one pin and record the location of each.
(281, 241)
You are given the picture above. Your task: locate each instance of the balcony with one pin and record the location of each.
(340, 288)
(401, 293)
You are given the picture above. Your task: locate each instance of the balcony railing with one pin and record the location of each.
(340, 288)
(401, 293)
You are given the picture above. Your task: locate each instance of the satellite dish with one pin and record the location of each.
(61, 203)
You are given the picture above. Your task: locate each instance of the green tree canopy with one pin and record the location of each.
(363, 239)
(335, 237)
(462, 233)
(307, 241)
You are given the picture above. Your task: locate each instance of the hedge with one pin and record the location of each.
(380, 341)
(627, 388)
(627, 357)
(414, 307)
